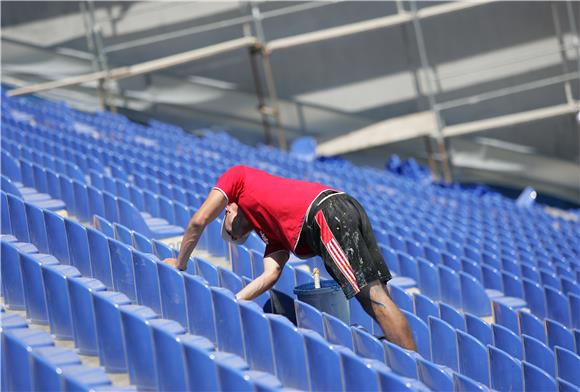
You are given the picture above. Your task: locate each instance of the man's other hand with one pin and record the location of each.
(173, 263)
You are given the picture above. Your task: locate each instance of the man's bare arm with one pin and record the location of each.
(209, 210)
(273, 265)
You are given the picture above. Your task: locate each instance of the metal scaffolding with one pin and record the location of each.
(430, 125)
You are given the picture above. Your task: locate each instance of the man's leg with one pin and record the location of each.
(377, 303)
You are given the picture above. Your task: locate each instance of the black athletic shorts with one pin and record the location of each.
(337, 228)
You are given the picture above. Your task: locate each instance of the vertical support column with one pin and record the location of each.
(253, 53)
(440, 137)
(574, 30)
(95, 45)
(562, 47)
(274, 110)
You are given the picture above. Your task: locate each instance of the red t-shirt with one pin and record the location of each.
(275, 206)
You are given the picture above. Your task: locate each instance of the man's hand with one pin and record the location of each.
(173, 263)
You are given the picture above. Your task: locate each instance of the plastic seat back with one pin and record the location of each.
(506, 372)
(100, 257)
(323, 362)
(257, 337)
(200, 311)
(289, 353)
(172, 293)
(122, 269)
(443, 343)
(336, 331)
(473, 358)
(78, 246)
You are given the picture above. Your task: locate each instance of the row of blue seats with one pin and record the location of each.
(50, 152)
(31, 361)
(35, 313)
(53, 293)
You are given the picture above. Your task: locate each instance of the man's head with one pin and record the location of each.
(235, 228)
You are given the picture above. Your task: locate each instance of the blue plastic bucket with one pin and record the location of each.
(328, 298)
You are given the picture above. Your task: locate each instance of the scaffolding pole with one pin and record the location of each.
(439, 137)
(274, 108)
(139, 69)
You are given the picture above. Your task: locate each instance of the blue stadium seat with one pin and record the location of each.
(122, 269)
(229, 280)
(574, 301)
(162, 251)
(200, 307)
(506, 340)
(359, 316)
(424, 307)
(558, 335)
(357, 374)
(132, 218)
(11, 321)
(336, 331)
(104, 226)
(123, 234)
(257, 337)
(479, 329)
(557, 306)
(535, 379)
(80, 291)
(475, 299)
(402, 361)
(400, 298)
(408, 266)
(201, 369)
(443, 343)
(451, 287)
(228, 322)
(323, 362)
(428, 279)
(531, 325)
(420, 334)
(78, 243)
(462, 383)
(172, 294)
(473, 358)
(16, 345)
(139, 342)
(534, 295)
(147, 280)
(289, 353)
(538, 354)
(506, 371)
(84, 378)
(34, 288)
(37, 228)
(55, 279)
(100, 257)
(505, 316)
(82, 206)
(208, 271)
(451, 316)
(142, 243)
(110, 340)
(12, 285)
(389, 381)
(433, 376)
(567, 365)
(308, 317)
(47, 364)
(366, 345)
(232, 379)
(56, 235)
